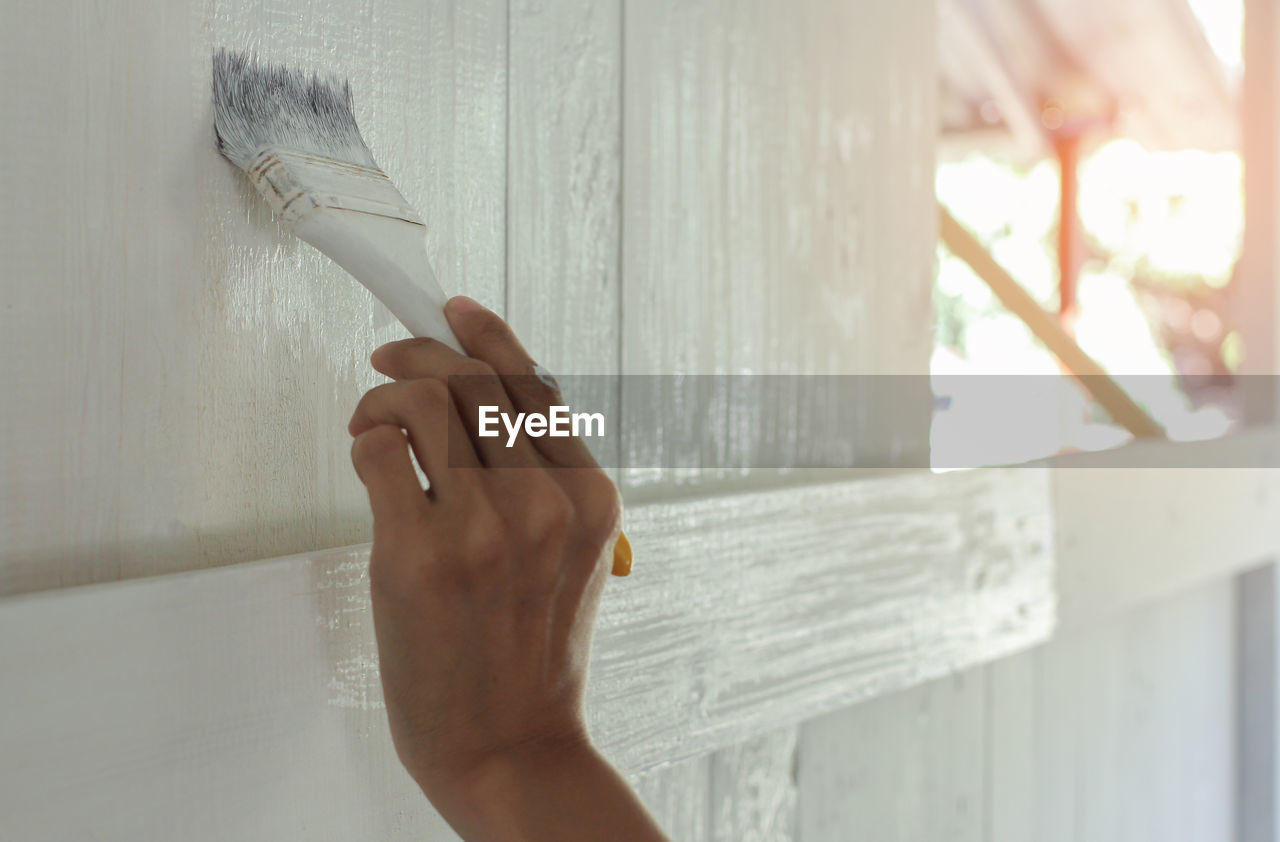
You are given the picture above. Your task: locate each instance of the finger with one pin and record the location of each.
(473, 384)
(436, 432)
(488, 338)
(381, 459)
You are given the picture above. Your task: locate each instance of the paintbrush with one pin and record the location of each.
(295, 135)
(296, 138)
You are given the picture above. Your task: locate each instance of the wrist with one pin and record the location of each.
(490, 798)
(556, 791)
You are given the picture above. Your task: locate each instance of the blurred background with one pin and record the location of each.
(1093, 150)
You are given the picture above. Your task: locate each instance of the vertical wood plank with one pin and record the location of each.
(777, 219)
(1257, 675)
(185, 368)
(1256, 313)
(564, 136)
(908, 766)
(677, 796)
(753, 789)
(1012, 805)
(1183, 527)
(1255, 302)
(1124, 731)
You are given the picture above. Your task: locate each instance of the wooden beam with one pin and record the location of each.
(1070, 249)
(1144, 522)
(1017, 109)
(244, 702)
(1256, 317)
(1254, 300)
(1092, 376)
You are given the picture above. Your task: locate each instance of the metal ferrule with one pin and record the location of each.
(297, 184)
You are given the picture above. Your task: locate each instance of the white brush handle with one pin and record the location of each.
(388, 256)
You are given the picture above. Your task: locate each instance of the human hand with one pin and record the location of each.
(485, 587)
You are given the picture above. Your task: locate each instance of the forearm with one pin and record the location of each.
(562, 796)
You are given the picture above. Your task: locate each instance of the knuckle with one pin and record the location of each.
(474, 368)
(372, 403)
(376, 443)
(486, 543)
(549, 514)
(486, 553)
(428, 396)
(600, 504)
(366, 402)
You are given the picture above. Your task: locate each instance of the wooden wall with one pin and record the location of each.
(711, 187)
(182, 368)
(1123, 731)
(706, 187)
(1120, 732)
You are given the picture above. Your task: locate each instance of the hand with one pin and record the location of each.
(484, 587)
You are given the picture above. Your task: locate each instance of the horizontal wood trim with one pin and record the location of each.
(762, 609)
(745, 613)
(1147, 521)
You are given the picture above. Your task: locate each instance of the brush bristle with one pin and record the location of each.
(257, 105)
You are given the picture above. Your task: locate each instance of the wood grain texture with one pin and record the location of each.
(677, 796)
(184, 368)
(563, 228)
(753, 789)
(902, 767)
(777, 219)
(564, 129)
(749, 612)
(255, 686)
(744, 793)
(1122, 731)
(564, 137)
(121, 738)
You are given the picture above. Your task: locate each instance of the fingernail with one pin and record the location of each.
(462, 304)
(622, 556)
(545, 376)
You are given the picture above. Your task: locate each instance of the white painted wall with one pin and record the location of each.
(741, 192)
(707, 186)
(181, 369)
(1123, 731)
